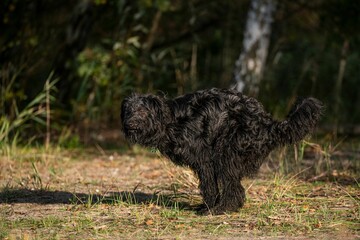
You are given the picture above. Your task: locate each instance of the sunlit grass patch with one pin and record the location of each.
(57, 194)
(294, 206)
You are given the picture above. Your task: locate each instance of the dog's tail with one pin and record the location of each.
(300, 121)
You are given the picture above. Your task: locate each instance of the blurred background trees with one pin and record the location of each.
(101, 50)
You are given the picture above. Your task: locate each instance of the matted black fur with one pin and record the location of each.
(222, 135)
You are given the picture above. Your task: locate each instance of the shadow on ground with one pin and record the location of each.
(11, 196)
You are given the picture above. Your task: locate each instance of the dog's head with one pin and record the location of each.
(143, 119)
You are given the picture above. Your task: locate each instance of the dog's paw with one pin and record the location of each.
(199, 209)
(204, 210)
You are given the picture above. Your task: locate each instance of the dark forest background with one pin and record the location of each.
(78, 59)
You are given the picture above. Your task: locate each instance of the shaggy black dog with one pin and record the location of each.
(222, 135)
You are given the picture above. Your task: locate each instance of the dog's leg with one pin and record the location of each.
(208, 187)
(232, 198)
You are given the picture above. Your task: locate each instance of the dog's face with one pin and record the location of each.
(142, 118)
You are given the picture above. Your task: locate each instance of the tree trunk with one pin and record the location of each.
(250, 65)
(193, 67)
(338, 85)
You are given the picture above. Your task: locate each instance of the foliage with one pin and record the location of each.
(29, 118)
(101, 50)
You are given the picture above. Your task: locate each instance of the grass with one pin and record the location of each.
(72, 194)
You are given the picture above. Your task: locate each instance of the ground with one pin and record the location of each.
(138, 194)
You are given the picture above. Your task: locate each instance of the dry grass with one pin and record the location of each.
(78, 194)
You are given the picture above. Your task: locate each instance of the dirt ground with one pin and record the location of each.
(97, 194)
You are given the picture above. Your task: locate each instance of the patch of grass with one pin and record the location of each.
(12, 126)
(46, 227)
(146, 197)
(4, 228)
(294, 208)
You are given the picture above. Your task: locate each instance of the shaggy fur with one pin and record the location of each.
(222, 135)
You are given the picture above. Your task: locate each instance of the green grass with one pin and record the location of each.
(80, 194)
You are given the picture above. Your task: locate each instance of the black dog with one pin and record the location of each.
(222, 135)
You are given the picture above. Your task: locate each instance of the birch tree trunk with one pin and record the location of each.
(250, 65)
(338, 85)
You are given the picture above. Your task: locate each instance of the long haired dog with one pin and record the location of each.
(222, 135)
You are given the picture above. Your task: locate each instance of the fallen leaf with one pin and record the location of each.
(180, 226)
(149, 222)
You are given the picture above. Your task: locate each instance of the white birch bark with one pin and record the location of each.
(250, 65)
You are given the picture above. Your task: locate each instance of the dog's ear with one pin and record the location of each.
(156, 104)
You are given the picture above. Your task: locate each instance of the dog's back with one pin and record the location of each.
(218, 111)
